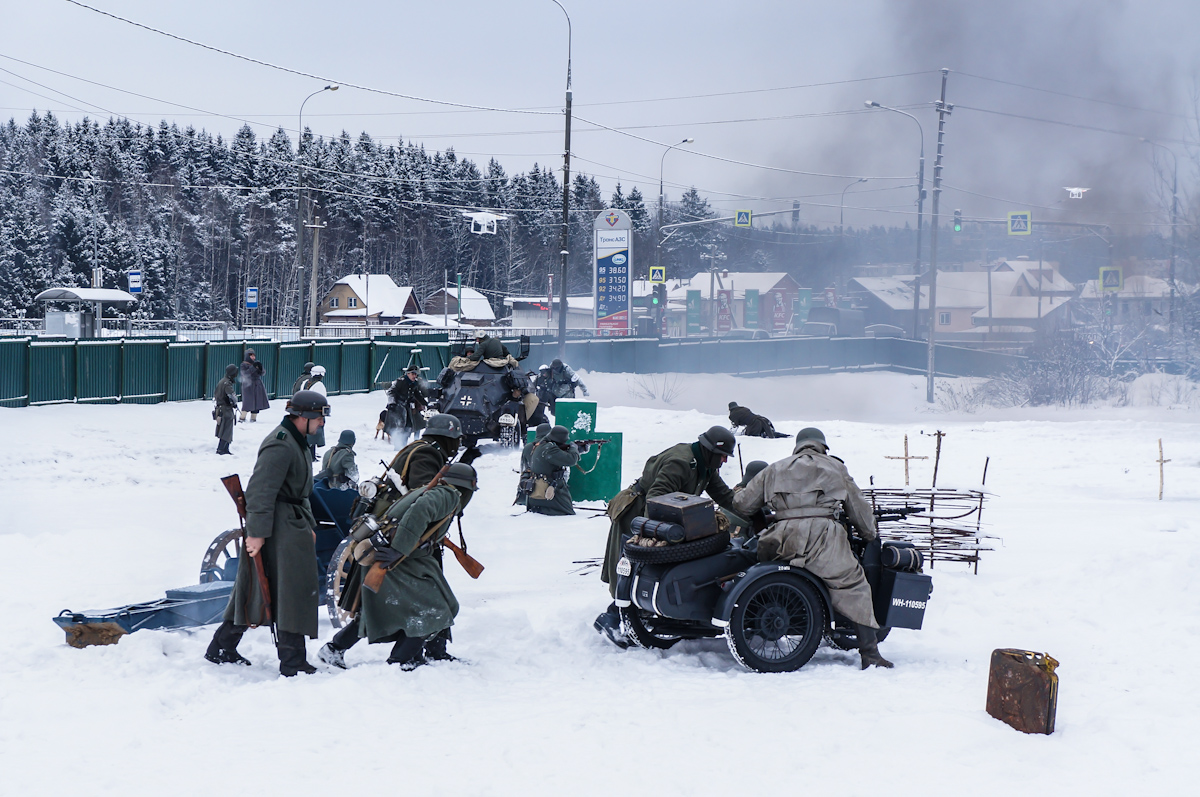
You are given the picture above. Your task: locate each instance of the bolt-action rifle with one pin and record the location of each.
(374, 578)
(233, 484)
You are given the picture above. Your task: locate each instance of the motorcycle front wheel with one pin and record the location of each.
(777, 624)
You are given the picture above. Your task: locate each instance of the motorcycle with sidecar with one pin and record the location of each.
(773, 615)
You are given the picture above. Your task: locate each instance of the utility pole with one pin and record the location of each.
(316, 227)
(566, 203)
(943, 110)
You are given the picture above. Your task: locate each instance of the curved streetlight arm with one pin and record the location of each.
(568, 16)
(873, 104)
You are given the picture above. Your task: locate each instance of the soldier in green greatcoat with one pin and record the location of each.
(550, 464)
(414, 603)
(691, 468)
(225, 408)
(487, 348)
(279, 528)
(412, 467)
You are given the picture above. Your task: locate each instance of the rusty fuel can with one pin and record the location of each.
(1023, 689)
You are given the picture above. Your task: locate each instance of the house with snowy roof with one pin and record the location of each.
(1140, 298)
(775, 288)
(367, 299)
(476, 309)
(1013, 293)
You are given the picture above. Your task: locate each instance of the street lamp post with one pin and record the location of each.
(300, 214)
(1174, 210)
(920, 210)
(566, 203)
(661, 161)
(841, 239)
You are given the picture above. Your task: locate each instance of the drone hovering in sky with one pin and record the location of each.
(1075, 193)
(483, 222)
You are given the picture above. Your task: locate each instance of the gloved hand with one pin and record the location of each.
(385, 554)
(583, 447)
(585, 390)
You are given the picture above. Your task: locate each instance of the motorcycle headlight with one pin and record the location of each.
(368, 490)
(623, 567)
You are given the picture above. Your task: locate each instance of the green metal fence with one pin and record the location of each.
(146, 371)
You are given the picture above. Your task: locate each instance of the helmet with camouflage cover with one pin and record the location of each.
(444, 425)
(308, 404)
(462, 475)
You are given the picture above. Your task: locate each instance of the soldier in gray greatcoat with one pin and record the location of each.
(338, 468)
(302, 380)
(279, 528)
(550, 464)
(805, 492)
(414, 605)
(254, 393)
(225, 408)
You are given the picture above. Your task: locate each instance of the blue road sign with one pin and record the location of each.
(251, 298)
(135, 282)
(742, 218)
(1020, 223)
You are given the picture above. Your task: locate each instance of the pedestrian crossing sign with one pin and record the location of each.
(742, 218)
(1020, 222)
(1110, 278)
(658, 274)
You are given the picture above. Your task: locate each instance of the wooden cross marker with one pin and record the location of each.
(906, 458)
(1161, 462)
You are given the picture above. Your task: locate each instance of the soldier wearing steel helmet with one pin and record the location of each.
(414, 605)
(692, 468)
(411, 468)
(805, 492)
(279, 528)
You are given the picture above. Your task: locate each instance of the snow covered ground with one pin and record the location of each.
(107, 505)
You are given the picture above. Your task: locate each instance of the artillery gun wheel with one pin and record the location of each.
(777, 624)
(643, 635)
(341, 565)
(214, 565)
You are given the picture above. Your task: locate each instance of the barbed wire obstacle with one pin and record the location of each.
(948, 528)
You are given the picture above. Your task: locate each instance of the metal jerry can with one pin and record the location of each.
(1023, 689)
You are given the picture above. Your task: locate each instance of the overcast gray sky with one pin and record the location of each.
(639, 66)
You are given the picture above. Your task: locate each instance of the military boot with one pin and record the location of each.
(868, 648)
(291, 655)
(435, 646)
(223, 648)
(242, 417)
(408, 653)
(609, 624)
(223, 447)
(333, 652)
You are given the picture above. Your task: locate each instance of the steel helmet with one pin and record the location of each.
(732, 404)
(444, 425)
(479, 333)
(308, 404)
(558, 434)
(308, 367)
(318, 370)
(752, 470)
(460, 474)
(347, 438)
(811, 434)
(231, 371)
(541, 431)
(718, 440)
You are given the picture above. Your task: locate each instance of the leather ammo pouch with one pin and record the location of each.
(1023, 689)
(695, 515)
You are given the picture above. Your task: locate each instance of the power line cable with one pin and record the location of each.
(1055, 92)
(299, 73)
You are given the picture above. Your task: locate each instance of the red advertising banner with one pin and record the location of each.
(724, 311)
(781, 311)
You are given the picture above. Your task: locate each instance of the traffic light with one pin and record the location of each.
(658, 300)
(958, 221)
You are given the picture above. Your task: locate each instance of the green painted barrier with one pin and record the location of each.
(185, 371)
(356, 364)
(98, 371)
(597, 477)
(51, 372)
(143, 371)
(220, 355)
(329, 355)
(292, 357)
(14, 372)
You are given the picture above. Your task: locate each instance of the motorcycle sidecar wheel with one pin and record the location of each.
(777, 624)
(643, 637)
(681, 552)
(336, 575)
